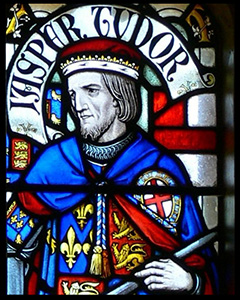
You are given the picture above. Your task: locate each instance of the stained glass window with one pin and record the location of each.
(114, 150)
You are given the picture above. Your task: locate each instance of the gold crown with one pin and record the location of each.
(99, 58)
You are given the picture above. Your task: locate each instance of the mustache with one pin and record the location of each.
(97, 130)
(81, 113)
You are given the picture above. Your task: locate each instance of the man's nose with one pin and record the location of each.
(81, 103)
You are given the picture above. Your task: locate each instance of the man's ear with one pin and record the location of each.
(115, 103)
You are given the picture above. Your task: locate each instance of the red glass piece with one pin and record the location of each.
(174, 116)
(159, 101)
(186, 139)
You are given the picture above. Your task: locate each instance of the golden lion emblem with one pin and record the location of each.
(129, 256)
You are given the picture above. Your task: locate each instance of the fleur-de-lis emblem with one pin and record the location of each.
(82, 213)
(18, 239)
(70, 249)
(16, 219)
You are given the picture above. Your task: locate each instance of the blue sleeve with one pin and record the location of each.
(192, 222)
(59, 164)
(174, 166)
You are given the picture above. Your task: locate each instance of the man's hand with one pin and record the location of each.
(166, 275)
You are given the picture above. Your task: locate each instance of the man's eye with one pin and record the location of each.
(93, 92)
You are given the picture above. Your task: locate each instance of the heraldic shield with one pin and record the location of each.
(165, 207)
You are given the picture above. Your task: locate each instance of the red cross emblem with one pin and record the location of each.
(158, 200)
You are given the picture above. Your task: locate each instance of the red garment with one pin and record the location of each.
(161, 238)
(153, 231)
(33, 204)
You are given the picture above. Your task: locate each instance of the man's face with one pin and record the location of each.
(92, 104)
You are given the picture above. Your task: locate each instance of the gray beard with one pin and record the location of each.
(96, 131)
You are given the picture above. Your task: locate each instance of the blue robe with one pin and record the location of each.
(64, 163)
